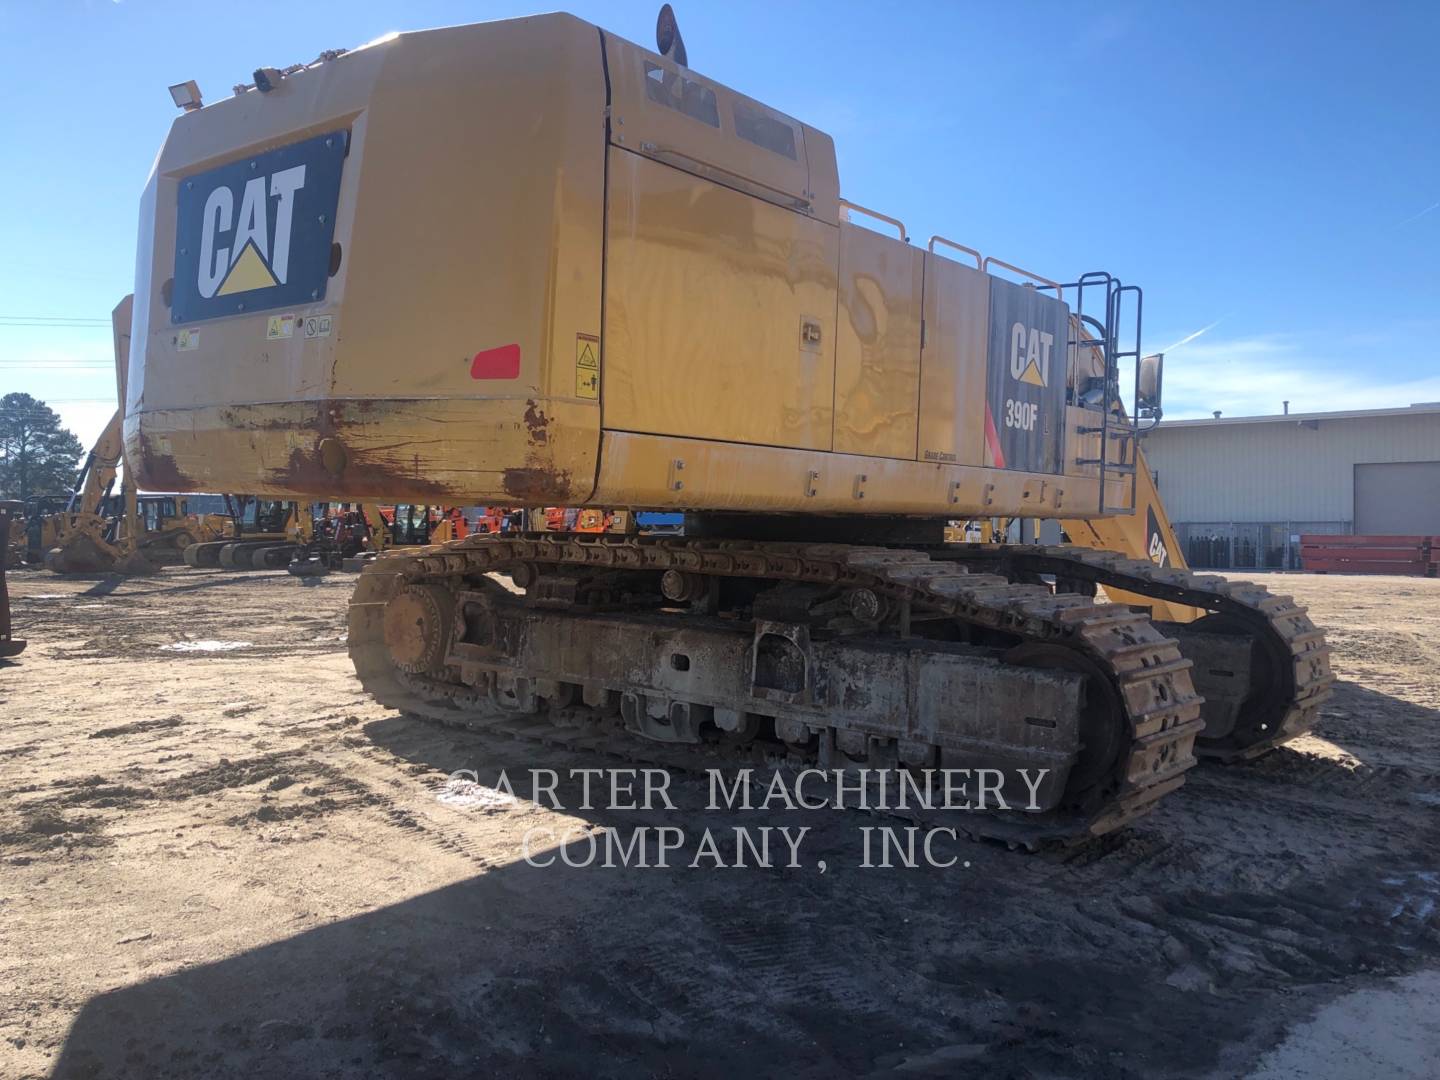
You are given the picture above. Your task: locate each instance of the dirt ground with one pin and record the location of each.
(220, 859)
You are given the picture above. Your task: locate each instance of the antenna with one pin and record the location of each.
(667, 36)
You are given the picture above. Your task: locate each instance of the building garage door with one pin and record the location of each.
(1398, 498)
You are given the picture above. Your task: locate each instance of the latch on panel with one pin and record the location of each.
(809, 333)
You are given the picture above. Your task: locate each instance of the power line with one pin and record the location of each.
(59, 318)
(45, 322)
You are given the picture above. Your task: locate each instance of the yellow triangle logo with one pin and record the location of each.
(1030, 375)
(248, 273)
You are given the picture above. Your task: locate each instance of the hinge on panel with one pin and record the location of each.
(676, 468)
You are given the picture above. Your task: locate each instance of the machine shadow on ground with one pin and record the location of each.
(1120, 959)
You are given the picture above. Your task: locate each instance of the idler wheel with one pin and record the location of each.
(419, 620)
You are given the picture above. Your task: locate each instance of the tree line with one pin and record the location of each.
(38, 455)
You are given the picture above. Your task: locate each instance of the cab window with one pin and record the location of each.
(674, 91)
(762, 129)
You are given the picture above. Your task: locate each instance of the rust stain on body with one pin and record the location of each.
(306, 471)
(158, 472)
(537, 485)
(537, 423)
(362, 448)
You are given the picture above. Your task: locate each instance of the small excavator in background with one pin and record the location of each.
(341, 536)
(352, 537)
(167, 527)
(33, 528)
(81, 545)
(85, 539)
(263, 534)
(97, 531)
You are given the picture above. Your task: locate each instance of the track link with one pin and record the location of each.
(1150, 677)
(1295, 654)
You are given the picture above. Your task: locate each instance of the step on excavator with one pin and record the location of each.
(640, 289)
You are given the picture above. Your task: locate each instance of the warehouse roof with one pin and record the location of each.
(1420, 407)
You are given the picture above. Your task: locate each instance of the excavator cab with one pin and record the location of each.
(410, 525)
(271, 515)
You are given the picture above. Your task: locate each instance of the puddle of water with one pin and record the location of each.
(205, 645)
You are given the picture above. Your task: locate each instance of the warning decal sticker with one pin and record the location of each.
(587, 366)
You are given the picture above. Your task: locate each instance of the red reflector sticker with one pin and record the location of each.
(501, 363)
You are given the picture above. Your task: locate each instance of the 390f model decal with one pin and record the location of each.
(1025, 400)
(256, 233)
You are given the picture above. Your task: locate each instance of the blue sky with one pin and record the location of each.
(1269, 172)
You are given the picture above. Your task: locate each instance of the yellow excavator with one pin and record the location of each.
(33, 527)
(262, 534)
(97, 531)
(584, 274)
(344, 538)
(85, 539)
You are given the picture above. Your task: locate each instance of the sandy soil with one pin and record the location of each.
(220, 859)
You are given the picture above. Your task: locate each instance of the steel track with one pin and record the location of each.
(1150, 677)
(1279, 625)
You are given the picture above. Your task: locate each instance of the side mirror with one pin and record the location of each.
(1147, 384)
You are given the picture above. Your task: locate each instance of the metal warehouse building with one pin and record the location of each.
(1241, 490)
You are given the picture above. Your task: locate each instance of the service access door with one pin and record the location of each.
(720, 283)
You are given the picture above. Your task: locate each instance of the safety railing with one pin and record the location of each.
(1043, 282)
(857, 208)
(937, 239)
(1115, 425)
(1114, 420)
